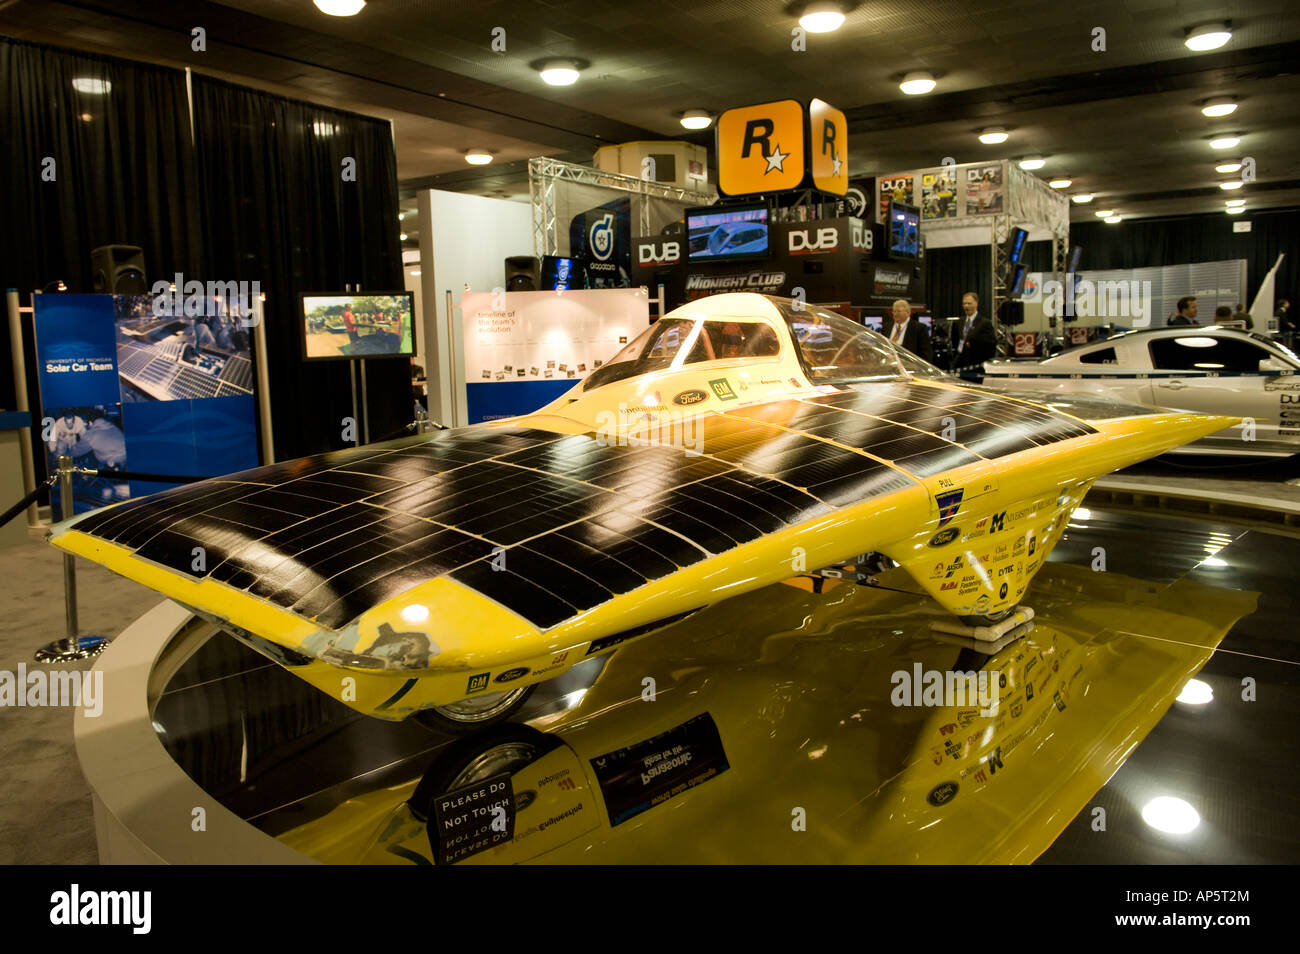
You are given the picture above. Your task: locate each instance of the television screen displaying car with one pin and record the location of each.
(716, 234)
(358, 325)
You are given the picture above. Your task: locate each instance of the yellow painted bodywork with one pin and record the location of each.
(802, 689)
(1023, 501)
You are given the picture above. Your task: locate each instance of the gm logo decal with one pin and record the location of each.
(477, 682)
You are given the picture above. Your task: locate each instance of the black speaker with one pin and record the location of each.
(118, 269)
(1011, 313)
(523, 273)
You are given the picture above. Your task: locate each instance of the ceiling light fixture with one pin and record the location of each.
(1235, 209)
(478, 157)
(402, 236)
(993, 135)
(1033, 162)
(1227, 167)
(1061, 183)
(696, 119)
(559, 72)
(1226, 142)
(1083, 198)
(1219, 107)
(91, 85)
(917, 84)
(1208, 36)
(1173, 816)
(1231, 184)
(1113, 219)
(823, 16)
(1235, 202)
(340, 8)
(1103, 213)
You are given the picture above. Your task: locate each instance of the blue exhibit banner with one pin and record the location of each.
(120, 381)
(76, 350)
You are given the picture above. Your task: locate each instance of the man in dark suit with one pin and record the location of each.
(907, 332)
(1186, 312)
(973, 339)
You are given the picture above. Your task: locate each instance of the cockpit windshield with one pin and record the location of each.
(836, 349)
(661, 346)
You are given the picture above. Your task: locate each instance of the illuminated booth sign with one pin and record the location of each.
(783, 145)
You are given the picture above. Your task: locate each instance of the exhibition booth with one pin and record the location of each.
(684, 556)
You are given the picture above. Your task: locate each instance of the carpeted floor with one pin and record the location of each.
(45, 813)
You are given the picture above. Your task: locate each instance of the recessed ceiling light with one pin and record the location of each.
(1227, 142)
(1226, 167)
(1219, 107)
(1061, 183)
(402, 236)
(696, 119)
(1033, 162)
(1231, 184)
(1113, 219)
(1235, 209)
(1208, 36)
(478, 157)
(1102, 213)
(1235, 202)
(86, 117)
(822, 17)
(1083, 198)
(917, 84)
(559, 72)
(993, 135)
(340, 8)
(1196, 693)
(91, 85)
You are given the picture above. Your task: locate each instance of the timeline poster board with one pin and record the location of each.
(123, 379)
(525, 349)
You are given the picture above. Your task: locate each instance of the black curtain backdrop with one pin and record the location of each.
(123, 173)
(276, 209)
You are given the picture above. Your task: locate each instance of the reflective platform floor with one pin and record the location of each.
(790, 726)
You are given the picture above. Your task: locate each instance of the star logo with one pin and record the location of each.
(835, 165)
(776, 160)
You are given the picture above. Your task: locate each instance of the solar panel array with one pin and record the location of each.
(550, 525)
(155, 369)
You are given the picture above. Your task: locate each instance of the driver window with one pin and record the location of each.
(1206, 353)
(734, 339)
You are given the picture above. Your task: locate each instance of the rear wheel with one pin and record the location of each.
(474, 713)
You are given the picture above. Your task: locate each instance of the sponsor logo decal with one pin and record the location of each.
(601, 237)
(944, 537)
(803, 241)
(722, 389)
(478, 682)
(667, 253)
(510, 675)
(941, 795)
(687, 398)
(949, 503)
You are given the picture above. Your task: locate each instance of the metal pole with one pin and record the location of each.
(365, 410)
(20, 397)
(73, 646)
(263, 381)
(352, 378)
(453, 395)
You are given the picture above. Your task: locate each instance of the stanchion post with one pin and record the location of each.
(74, 646)
(20, 397)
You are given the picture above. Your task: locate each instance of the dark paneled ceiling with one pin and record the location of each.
(1124, 123)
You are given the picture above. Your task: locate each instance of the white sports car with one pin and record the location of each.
(1193, 368)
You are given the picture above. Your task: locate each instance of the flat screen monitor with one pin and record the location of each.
(926, 320)
(558, 273)
(344, 326)
(1074, 259)
(874, 322)
(738, 231)
(1018, 273)
(1016, 245)
(904, 230)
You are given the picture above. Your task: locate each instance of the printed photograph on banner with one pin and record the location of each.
(939, 194)
(895, 188)
(167, 355)
(358, 326)
(984, 192)
(93, 438)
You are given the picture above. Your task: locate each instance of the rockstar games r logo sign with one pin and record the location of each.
(760, 148)
(781, 145)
